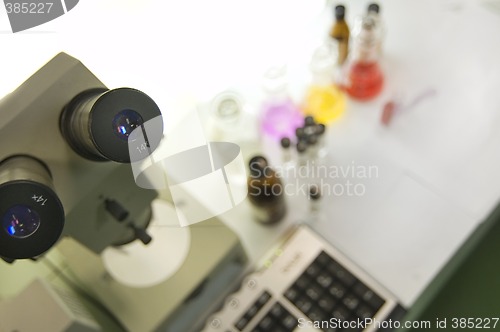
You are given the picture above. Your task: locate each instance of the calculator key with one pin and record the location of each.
(290, 322)
(280, 329)
(337, 290)
(316, 314)
(365, 312)
(313, 292)
(252, 311)
(313, 270)
(332, 329)
(352, 329)
(326, 303)
(277, 311)
(342, 274)
(351, 301)
(242, 323)
(368, 296)
(304, 304)
(302, 282)
(263, 298)
(340, 313)
(323, 259)
(292, 294)
(266, 324)
(324, 279)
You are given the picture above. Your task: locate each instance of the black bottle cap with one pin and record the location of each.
(285, 142)
(299, 132)
(312, 140)
(314, 193)
(320, 129)
(301, 146)
(373, 7)
(339, 12)
(257, 165)
(309, 121)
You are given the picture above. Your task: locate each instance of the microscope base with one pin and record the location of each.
(215, 259)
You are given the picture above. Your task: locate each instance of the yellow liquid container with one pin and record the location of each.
(325, 103)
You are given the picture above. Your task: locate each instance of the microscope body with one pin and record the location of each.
(31, 126)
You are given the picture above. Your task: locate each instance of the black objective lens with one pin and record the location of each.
(32, 214)
(98, 124)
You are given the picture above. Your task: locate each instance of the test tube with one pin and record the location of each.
(286, 153)
(301, 153)
(314, 202)
(312, 142)
(321, 133)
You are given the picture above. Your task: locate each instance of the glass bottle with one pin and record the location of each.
(286, 153)
(373, 10)
(340, 33)
(266, 192)
(365, 78)
(324, 101)
(280, 115)
(226, 110)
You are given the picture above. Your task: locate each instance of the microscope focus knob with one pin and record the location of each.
(116, 209)
(141, 234)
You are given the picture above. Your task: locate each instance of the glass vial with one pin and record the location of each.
(373, 10)
(226, 110)
(340, 33)
(286, 152)
(314, 203)
(265, 192)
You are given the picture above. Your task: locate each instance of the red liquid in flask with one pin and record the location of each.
(365, 80)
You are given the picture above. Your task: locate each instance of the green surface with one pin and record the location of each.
(468, 287)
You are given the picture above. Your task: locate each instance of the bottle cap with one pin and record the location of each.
(309, 121)
(373, 7)
(312, 140)
(301, 146)
(299, 132)
(285, 142)
(339, 12)
(320, 129)
(314, 192)
(257, 165)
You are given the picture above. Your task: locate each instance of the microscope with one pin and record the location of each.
(66, 182)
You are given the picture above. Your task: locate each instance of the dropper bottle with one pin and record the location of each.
(286, 153)
(340, 33)
(373, 10)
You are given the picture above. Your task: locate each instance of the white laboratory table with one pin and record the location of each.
(437, 162)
